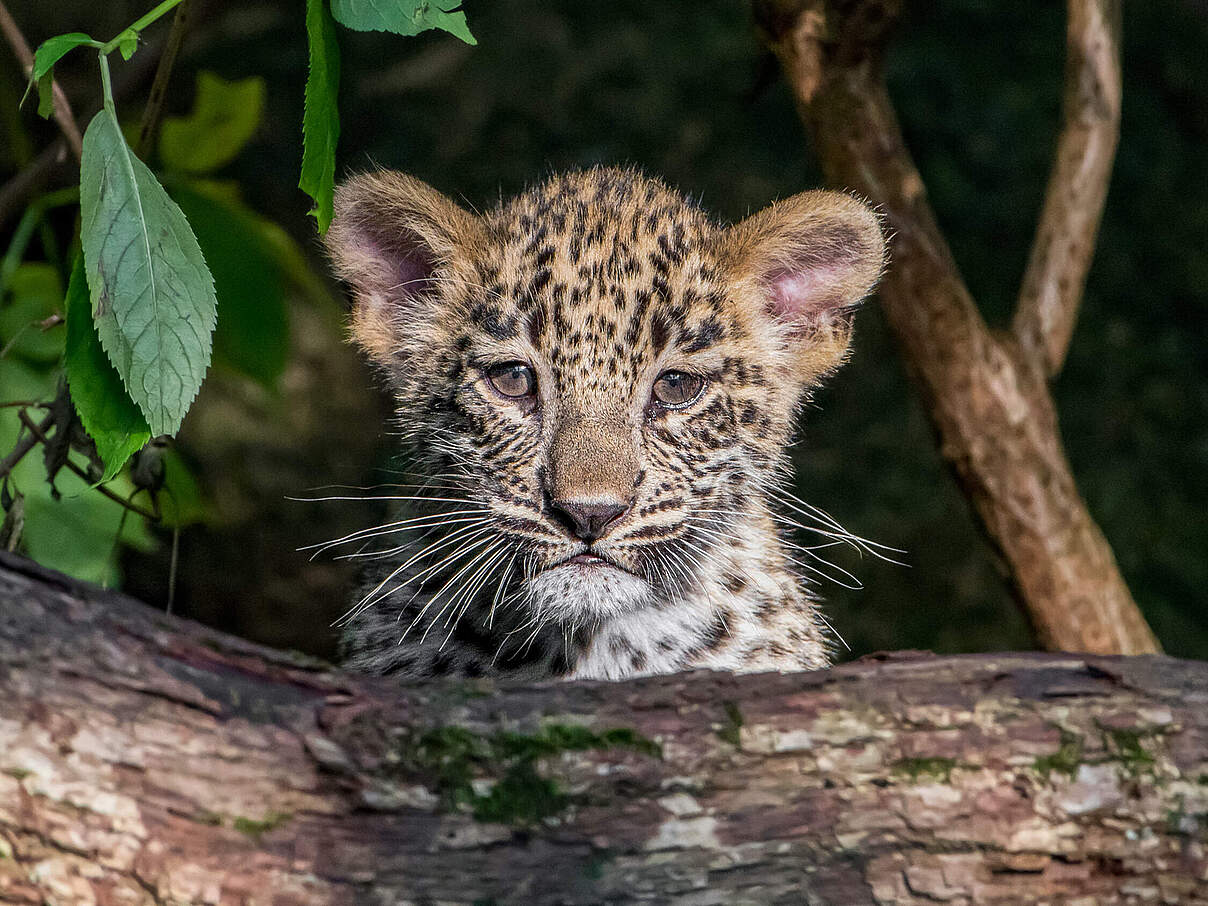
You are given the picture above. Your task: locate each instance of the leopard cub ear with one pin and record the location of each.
(809, 260)
(393, 240)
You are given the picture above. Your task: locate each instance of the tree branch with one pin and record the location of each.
(62, 107)
(26, 443)
(988, 402)
(145, 759)
(30, 179)
(1065, 237)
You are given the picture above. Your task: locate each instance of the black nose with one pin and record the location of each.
(588, 520)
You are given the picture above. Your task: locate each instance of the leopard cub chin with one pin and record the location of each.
(595, 383)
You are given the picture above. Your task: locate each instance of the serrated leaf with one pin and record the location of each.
(253, 324)
(321, 119)
(402, 17)
(152, 295)
(52, 50)
(225, 115)
(110, 417)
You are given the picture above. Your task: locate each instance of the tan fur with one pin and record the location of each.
(593, 458)
(599, 281)
(815, 223)
(412, 207)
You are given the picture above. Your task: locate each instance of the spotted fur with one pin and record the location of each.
(600, 281)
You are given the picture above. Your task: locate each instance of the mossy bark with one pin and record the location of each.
(146, 760)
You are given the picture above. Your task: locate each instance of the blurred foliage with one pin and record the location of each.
(685, 91)
(67, 525)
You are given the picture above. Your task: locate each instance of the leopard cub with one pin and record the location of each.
(596, 383)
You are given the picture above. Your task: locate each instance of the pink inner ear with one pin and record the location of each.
(807, 293)
(412, 271)
(402, 263)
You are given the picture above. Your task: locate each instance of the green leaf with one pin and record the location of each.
(402, 17)
(225, 115)
(293, 264)
(41, 73)
(321, 119)
(21, 381)
(46, 96)
(180, 500)
(110, 417)
(253, 324)
(152, 295)
(52, 50)
(127, 44)
(35, 294)
(76, 533)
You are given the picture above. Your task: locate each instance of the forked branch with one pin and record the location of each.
(986, 394)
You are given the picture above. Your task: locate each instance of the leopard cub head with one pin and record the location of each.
(598, 379)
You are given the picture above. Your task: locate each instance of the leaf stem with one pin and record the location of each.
(159, 11)
(106, 84)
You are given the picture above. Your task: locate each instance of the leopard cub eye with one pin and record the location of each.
(514, 380)
(677, 389)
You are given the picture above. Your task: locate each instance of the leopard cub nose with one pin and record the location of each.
(587, 521)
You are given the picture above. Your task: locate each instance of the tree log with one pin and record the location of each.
(985, 392)
(147, 760)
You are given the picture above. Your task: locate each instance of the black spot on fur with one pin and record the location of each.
(540, 281)
(537, 321)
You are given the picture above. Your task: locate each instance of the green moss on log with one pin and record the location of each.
(916, 768)
(731, 730)
(1065, 760)
(256, 829)
(1126, 749)
(453, 758)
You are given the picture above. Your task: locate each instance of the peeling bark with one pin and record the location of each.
(986, 393)
(145, 760)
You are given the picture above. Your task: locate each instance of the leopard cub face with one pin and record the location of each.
(597, 382)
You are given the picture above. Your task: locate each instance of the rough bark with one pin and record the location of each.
(145, 760)
(986, 393)
(1073, 204)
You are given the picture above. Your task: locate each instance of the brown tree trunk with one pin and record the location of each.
(986, 392)
(145, 760)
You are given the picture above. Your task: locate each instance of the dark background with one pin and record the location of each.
(685, 91)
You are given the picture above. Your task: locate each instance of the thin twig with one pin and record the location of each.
(63, 114)
(159, 87)
(40, 436)
(173, 566)
(24, 444)
(1073, 206)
